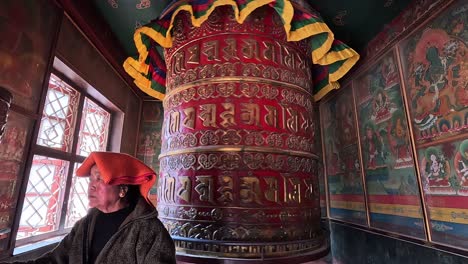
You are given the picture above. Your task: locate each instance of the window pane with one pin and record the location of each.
(94, 128)
(78, 200)
(60, 108)
(43, 199)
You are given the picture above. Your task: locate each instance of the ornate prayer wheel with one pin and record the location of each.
(5, 101)
(238, 175)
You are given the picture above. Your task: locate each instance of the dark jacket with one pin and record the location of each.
(140, 239)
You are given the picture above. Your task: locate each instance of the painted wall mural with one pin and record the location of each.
(343, 170)
(12, 148)
(435, 59)
(444, 170)
(149, 142)
(391, 181)
(28, 27)
(399, 26)
(435, 62)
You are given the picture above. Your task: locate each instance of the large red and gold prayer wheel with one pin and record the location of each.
(238, 163)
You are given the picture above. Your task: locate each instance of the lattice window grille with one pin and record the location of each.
(58, 117)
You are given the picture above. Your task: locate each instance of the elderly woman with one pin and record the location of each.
(122, 226)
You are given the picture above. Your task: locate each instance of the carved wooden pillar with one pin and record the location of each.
(5, 101)
(238, 172)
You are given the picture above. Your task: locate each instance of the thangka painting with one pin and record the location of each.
(388, 165)
(444, 171)
(343, 170)
(12, 148)
(27, 28)
(435, 60)
(149, 143)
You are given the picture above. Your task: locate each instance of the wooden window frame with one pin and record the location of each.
(70, 156)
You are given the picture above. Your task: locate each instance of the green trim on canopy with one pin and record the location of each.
(331, 59)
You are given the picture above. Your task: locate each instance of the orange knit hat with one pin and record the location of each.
(119, 168)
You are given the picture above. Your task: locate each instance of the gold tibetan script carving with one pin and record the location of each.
(194, 55)
(281, 77)
(230, 51)
(300, 63)
(169, 189)
(205, 188)
(174, 123)
(269, 51)
(309, 192)
(288, 58)
(185, 189)
(306, 122)
(250, 114)
(189, 120)
(178, 62)
(211, 51)
(271, 118)
(293, 120)
(292, 188)
(208, 115)
(271, 193)
(250, 190)
(250, 49)
(225, 190)
(228, 118)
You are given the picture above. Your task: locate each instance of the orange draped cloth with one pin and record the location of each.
(119, 168)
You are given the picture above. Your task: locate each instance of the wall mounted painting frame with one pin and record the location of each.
(346, 193)
(434, 62)
(149, 138)
(393, 192)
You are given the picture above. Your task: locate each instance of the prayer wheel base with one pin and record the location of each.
(303, 258)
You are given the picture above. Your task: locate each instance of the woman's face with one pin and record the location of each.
(102, 196)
